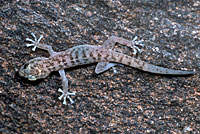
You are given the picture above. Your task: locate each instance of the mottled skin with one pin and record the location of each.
(86, 54)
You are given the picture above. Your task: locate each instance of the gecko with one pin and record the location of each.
(105, 56)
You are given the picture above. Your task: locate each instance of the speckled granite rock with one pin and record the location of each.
(130, 101)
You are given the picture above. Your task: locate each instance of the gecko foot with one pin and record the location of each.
(66, 95)
(136, 45)
(34, 42)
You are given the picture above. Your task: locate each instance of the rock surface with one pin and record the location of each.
(131, 101)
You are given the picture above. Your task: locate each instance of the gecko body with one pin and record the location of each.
(105, 56)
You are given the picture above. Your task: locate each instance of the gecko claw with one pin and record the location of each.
(34, 36)
(41, 36)
(66, 95)
(28, 39)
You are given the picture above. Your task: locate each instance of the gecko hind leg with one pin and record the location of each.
(103, 66)
(134, 44)
(110, 43)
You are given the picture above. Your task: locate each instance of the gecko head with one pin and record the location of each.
(34, 69)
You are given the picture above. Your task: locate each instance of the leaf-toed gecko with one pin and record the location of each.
(105, 55)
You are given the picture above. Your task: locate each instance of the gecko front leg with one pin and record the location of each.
(65, 93)
(36, 43)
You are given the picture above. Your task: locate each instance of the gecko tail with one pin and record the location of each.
(142, 65)
(161, 70)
